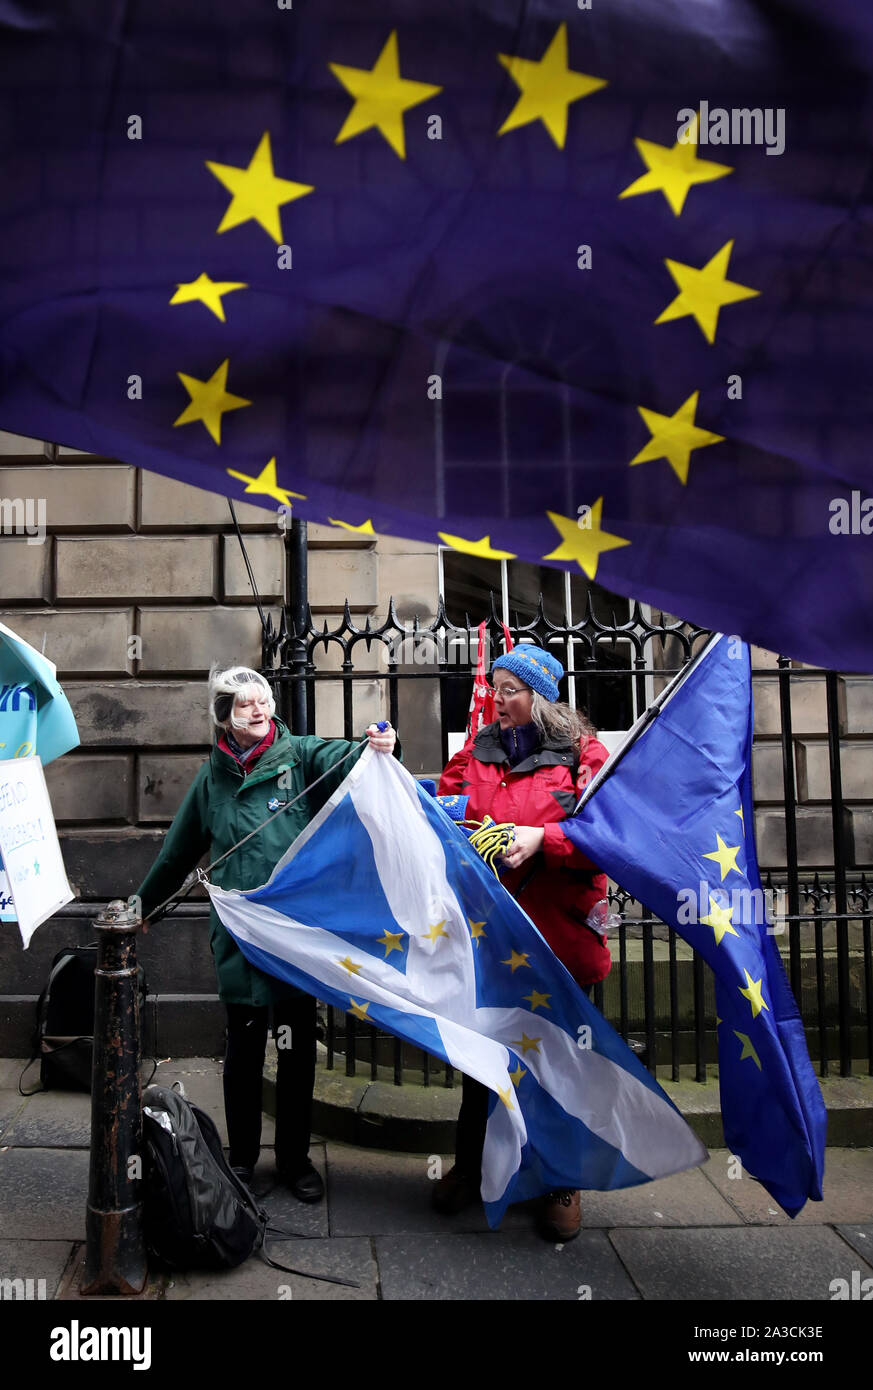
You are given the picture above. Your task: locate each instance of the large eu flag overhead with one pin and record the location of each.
(671, 819)
(586, 284)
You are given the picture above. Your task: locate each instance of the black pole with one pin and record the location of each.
(297, 577)
(115, 1256)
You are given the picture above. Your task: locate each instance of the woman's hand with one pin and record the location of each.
(528, 842)
(383, 740)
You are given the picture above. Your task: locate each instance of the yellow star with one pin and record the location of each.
(349, 965)
(359, 1010)
(584, 544)
(257, 193)
(208, 291)
(506, 1097)
(365, 528)
(476, 930)
(742, 819)
(674, 437)
(516, 959)
(381, 97)
(748, 1049)
(547, 88)
(525, 1043)
(392, 941)
(703, 292)
(720, 920)
(754, 995)
(483, 548)
(717, 1020)
(517, 1076)
(267, 483)
(436, 931)
(673, 170)
(726, 857)
(538, 1001)
(209, 400)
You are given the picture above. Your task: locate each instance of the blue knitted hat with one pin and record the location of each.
(537, 668)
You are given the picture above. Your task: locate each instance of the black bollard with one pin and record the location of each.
(115, 1256)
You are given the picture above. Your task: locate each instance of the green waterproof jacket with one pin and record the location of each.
(222, 805)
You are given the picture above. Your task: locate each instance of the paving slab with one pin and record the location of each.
(502, 1265)
(201, 1078)
(43, 1193)
(38, 1263)
(308, 1219)
(52, 1120)
(10, 1070)
(11, 1105)
(349, 1259)
(751, 1263)
(684, 1199)
(374, 1192)
(847, 1190)
(860, 1238)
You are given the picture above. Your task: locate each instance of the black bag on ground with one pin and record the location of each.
(64, 1038)
(198, 1213)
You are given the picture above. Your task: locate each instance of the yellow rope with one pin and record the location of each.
(491, 841)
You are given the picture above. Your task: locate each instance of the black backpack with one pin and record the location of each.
(64, 1036)
(198, 1213)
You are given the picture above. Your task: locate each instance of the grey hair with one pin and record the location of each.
(557, 722)
(224, 686)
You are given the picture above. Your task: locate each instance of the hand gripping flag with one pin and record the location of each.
(670, 818)
(381, 908)
(525, 280)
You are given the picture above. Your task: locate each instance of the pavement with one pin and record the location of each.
(711, 1234)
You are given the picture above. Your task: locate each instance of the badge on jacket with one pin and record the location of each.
(274, 803)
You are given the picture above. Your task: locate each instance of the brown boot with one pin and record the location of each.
(561, 1218)
(454, 1192)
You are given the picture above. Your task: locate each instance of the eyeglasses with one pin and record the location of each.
(506, 692)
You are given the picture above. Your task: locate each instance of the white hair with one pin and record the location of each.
(558, 721)
(224, 687)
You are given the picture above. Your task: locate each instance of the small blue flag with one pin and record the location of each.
(671, 820)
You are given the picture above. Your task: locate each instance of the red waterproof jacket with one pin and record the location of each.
(559, 886)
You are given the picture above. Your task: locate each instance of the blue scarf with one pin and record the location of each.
(519, 742)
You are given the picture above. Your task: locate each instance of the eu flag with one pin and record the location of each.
(671, 820)
(442, 956)
(586, 285)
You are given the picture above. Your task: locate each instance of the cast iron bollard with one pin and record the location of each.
(115, 1257)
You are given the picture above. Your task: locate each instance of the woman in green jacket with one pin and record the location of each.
(256, 766)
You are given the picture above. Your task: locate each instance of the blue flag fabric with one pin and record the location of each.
(672, 822)
(381, 908)
(35, 717)
(589, 287)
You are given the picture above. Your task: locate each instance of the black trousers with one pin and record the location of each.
(293, 1023)
(472, 1122)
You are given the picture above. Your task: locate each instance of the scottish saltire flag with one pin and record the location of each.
(381, 908)
(35, 717)
(588, 286)
(670, 818)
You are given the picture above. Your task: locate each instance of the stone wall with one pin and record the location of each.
(138, 587)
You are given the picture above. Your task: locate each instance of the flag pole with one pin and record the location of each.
(646, 718)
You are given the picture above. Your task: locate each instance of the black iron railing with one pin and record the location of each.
(659, 993)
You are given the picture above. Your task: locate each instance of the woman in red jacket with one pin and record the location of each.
(530, 768)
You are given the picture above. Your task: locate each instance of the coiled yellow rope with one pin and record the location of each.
(490, 840)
